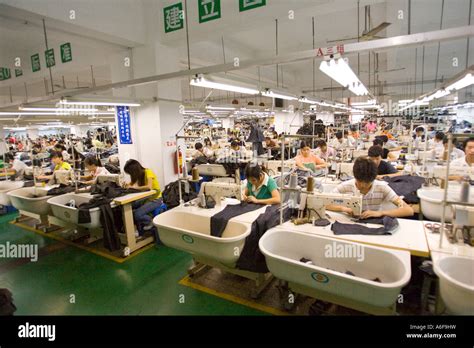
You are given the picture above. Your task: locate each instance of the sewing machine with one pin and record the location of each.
(359, 153)
(217, 190)
(212, 170)
(316, 203)
(344, 169)
(439, 172)
(106, 178)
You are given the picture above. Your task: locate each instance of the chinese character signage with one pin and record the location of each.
(245, 5)
(35, 62)
(327, 51)
(174, 17)
(66, 53)
(18, 72)
(209, 10)
(123, 125)
(49, 56)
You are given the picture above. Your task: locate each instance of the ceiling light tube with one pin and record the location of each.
(466, 81)
(207, 82)
(99, 103)
(56, 109)
(275, 94)
(209, 107)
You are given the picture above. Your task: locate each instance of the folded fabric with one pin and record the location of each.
(390, 225)
(406, 186)
(219, 220)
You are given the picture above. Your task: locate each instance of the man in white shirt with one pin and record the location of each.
(17, 167)
(437, 142)
(468, 159)
(339, 142)
(455, 152)
(374, 192)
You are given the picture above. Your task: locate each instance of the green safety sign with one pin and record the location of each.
(18, 72)
(5, 74)
(174, 17)
(209, 10)
(66, 53)
(245, 5)
(35, 62)
(49, 56)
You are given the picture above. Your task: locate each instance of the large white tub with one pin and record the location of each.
(7, 186)
(190, 232)
(431, 198)
(31, 199)
(283, 251)
(71, 214)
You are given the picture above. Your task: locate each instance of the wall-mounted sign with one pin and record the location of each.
(66, 53)
(245, 5)
(173, 17)
(35, 62)
(18, 72)
(327, 51)
(123, 124)
(209, 10)
(49, 57)
(5, 74)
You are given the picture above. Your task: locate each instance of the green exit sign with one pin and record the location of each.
(49, 56)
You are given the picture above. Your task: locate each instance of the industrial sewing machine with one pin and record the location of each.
(217, 190)
(344, 169)
(116, 178)
(439, 172)
(316, 203)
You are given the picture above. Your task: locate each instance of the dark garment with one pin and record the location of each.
(389, 227)
(251, 259)
(385, 153)
(386, 168)
(111, 190)
(6, 303)
(171, 194)
(406, 186)
(231, 164)
(62, 189)
(219, 220)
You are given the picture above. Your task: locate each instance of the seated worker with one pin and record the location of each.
(374, 192)
(61, 148)
(386, 154)
(209, 147)
(455, 152)
(59, 164)
(419, 134)
(383, 167)
(94, 167)
(143, 179)
(324, 151)
(199, 151)
(307, 161)
(17, 167)
(339, 143)
(270, 144)
(437, 142)
(261, 189)
(235, 148)
(350, 139)
(468, 159)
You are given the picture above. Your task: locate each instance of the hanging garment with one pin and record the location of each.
(219, 220)
(62, 189)
(390, 225)
(406, 186)
(251, 258)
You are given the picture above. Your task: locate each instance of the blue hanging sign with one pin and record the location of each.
(123, 124)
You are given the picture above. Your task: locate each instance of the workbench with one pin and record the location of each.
(410, 235)
(131, 242)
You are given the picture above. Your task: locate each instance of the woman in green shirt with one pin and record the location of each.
(261, 189)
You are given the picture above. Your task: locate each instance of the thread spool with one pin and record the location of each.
(310, 184)
(195, 173)
(465, 192)
(293, 181)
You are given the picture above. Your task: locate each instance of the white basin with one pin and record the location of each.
(456, 280)
(31, 199)
(430, 202)
(283, 251)
(71, 214)
(7, 186)
(190, 232)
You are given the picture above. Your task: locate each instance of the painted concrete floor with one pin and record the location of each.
(147, 284)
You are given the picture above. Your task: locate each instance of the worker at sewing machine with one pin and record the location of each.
(324, 151)
(339, 142)
(94, 167)
(468, 159)
(455, 152)
(307, 161)
(261, 188)
(436, 143)
(374, 193)
(59, 164)
(384, 168)
(16, 167)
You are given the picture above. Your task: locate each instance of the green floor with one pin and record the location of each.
(144, 285)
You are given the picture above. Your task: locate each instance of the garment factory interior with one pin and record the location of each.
(236, 157)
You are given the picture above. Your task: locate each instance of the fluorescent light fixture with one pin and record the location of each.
(466, 81)
(340, 71)
(21, 113)
(367, 103)
(97, 113)
(405, 101)
(99, 103)
(57, 109)
(307, 100)
(208, 82)
(209, 107)
(276, 94)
